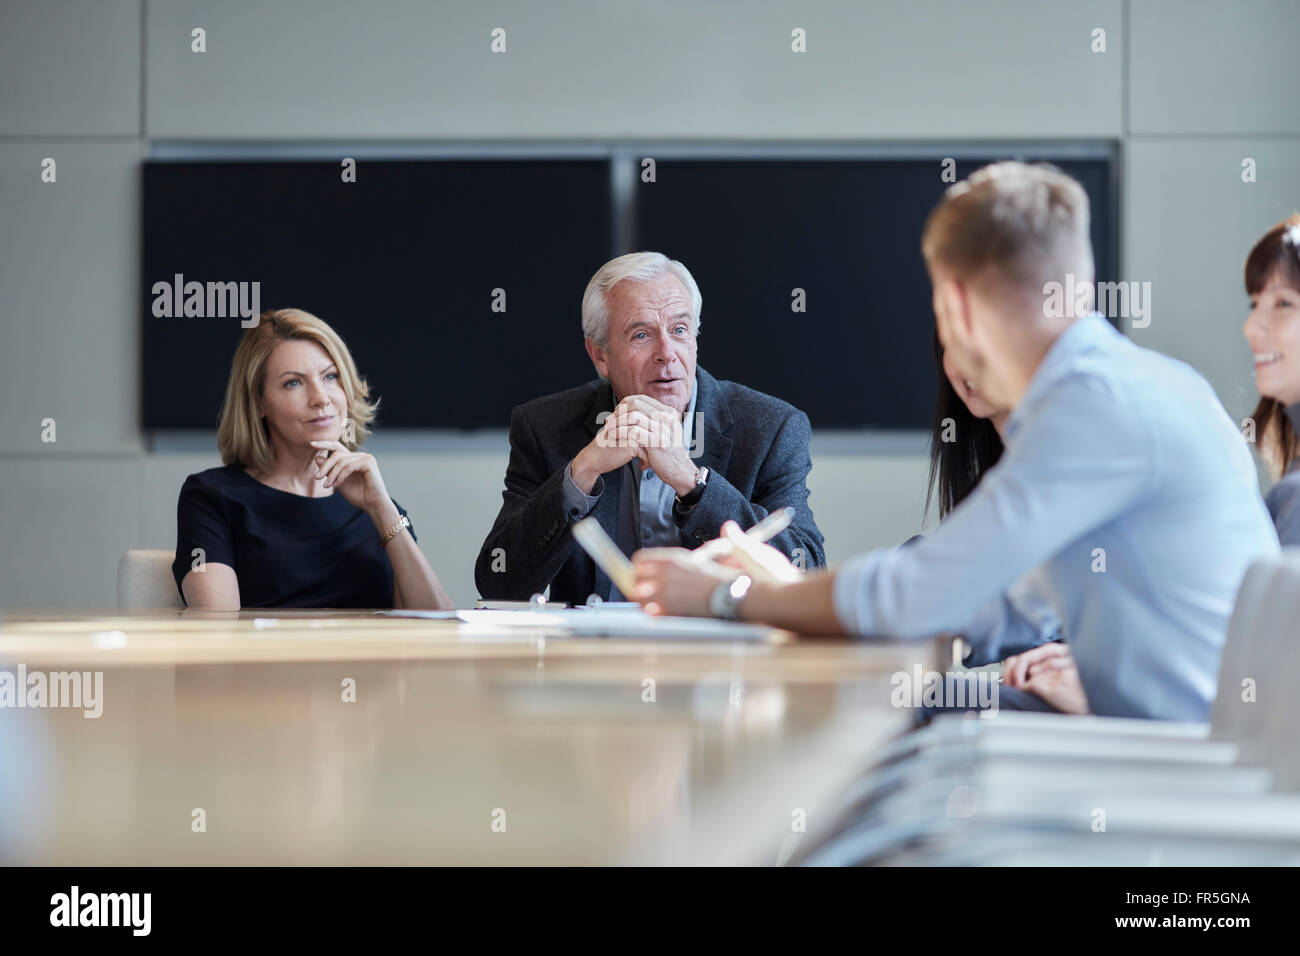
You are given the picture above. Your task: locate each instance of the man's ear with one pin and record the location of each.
(962, 310)
(952, 311)
(598, 357)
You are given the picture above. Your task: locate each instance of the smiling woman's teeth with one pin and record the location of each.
(1267, 358)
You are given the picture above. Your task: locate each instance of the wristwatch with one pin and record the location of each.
(689, 500)
(726, 597)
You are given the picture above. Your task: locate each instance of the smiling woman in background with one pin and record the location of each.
(1273, 331)
(268, 529)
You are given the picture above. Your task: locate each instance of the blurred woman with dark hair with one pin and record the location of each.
(1273, 331)
(966, 441)
(965, 444)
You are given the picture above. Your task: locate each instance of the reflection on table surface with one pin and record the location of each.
(357, 739)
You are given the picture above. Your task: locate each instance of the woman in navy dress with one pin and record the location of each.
(297, 516)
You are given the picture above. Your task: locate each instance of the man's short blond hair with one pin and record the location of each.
(1011, 228)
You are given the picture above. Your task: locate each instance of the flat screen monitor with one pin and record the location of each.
(840, 239)
(457, 285)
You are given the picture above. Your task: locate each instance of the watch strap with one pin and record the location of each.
(692, 497)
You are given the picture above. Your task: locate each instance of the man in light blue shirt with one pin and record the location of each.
(1123, 479)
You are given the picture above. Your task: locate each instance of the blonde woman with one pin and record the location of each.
(297, 516)
(1273, 331)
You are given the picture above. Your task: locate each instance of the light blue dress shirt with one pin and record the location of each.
(1012, 622)
(645, 514)
(1124, 478)
(1009, 623)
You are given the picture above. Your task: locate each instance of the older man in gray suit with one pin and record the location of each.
(657, 450)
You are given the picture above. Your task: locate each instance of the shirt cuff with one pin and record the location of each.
(577, 504)
(849, 593)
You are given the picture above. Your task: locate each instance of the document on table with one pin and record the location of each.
(596, 622)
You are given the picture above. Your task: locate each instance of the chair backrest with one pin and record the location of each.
(144, 579)
(1257, 705)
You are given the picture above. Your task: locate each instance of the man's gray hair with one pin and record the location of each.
(638, 267)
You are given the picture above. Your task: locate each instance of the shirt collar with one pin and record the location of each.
(688, 424)
(1078, 337)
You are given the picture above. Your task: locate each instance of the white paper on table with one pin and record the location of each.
(595, 622)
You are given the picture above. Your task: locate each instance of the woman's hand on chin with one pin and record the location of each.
(355, 474)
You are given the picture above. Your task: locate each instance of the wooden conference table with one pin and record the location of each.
(465, 744)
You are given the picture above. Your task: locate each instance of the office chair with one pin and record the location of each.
(144, 579)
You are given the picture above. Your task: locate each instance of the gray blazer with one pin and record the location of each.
(1283, 501)
(755, 447)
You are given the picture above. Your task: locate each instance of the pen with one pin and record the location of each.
(765, 530)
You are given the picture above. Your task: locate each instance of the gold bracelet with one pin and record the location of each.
(391, 533)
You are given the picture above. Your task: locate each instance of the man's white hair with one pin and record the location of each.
(638, 267)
